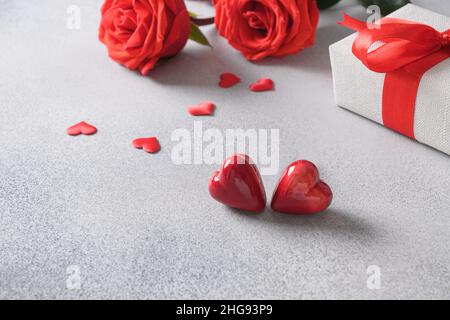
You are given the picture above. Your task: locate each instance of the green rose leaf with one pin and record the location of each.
(197, 35)
(386, 6)
(324, 4)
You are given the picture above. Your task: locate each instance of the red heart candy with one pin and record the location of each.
(300, 190)
(263, 84)
(203, 109)
(227, 80)
(238, 184)
(150, 145)
(81, 128)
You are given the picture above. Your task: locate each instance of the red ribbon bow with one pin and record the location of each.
(405, 51)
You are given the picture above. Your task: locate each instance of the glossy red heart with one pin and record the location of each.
(238, 184)
(227, 80)
(300, 190)
(150, 145)
(202, 109)
(263, 84)
(81, 128)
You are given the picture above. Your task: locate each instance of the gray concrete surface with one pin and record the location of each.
(139, 226)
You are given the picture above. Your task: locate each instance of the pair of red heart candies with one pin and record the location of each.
(238, 184)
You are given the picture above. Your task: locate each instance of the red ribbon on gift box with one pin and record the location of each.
(405, 51)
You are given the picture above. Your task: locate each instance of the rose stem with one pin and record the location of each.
(202, 21)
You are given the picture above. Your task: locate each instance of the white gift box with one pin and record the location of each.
(360, 90)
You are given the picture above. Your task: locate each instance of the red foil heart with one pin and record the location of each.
(150, 145)
(238, 184)
(264, 84)
(203, 109)
(81, 128)
(227, 80)
(300, 190)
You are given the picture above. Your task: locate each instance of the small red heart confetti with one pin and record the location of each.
(202, 109)
(81, 128)
(263, 84)
(300, 190)
(227, 80)
(150, 145)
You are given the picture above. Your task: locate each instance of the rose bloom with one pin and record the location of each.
(138, 33)
(262, 28)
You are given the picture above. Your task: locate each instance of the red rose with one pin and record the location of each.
(138, 33)
(261, 28)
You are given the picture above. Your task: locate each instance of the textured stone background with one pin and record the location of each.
(139, 226)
